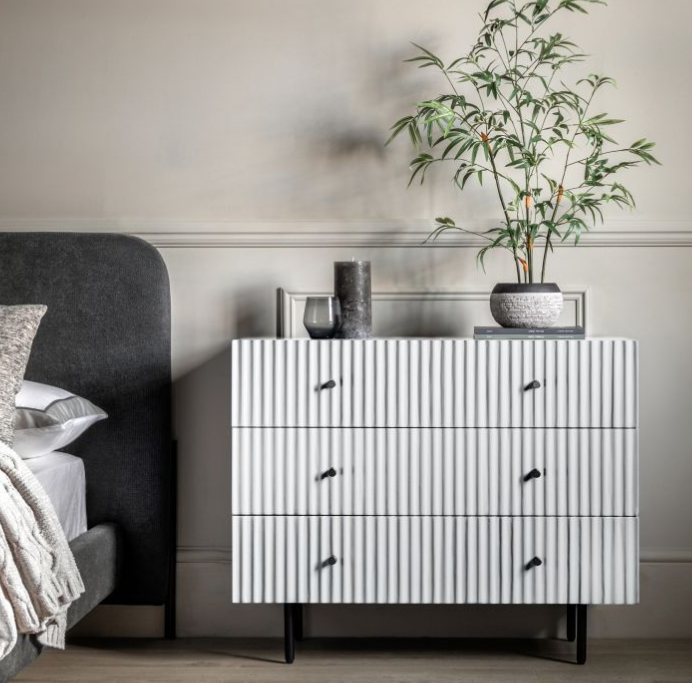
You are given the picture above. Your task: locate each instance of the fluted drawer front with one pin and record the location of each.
(555, 472)
(582, 560)
(434, 383)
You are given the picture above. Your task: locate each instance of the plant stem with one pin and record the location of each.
(491, 156)
(602, 153)
(436, 233)
(529, 246)
(562, 182)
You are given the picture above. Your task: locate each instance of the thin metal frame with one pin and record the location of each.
(581, 634)
(289, 633)
(571, 623)
(293, 630)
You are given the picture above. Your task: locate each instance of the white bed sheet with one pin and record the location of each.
(62, 476)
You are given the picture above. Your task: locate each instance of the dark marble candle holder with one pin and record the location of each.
(352, 286)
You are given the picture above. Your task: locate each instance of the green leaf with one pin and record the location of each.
(400, 125)
(474, 152)
(428, 58)
(494, 4)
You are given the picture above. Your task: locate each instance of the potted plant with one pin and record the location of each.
(550, 155)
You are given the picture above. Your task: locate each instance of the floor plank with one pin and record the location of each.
(362, 661)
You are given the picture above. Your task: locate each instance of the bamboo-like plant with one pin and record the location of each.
(511, 116)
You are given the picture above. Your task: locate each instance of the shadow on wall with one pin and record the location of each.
(343, 156)
(390, 86)
(202, 418)
(329, 159)
(430, 317)
(351, 134)
(248, 316)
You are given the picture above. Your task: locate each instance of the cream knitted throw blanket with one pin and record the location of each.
(38, 575)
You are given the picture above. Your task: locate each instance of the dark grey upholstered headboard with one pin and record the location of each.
(106, 336)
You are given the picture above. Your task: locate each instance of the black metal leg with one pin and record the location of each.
(571, 623)
(581, 634)
(289, 635)
(169, 630)
(298, 622)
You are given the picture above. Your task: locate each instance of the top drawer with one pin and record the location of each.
(434, 383)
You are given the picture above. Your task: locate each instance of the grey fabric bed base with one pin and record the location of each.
(97, 553)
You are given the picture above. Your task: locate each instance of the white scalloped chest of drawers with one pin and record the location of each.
(426, 471)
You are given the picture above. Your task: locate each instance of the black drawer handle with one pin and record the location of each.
(532, 385)
(331, 472)
(331, 561)
(536, 562)
(533, 474)
(328, 385)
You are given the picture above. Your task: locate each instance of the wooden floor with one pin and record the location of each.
(381, 661)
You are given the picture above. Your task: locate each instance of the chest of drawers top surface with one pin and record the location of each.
(434, 383)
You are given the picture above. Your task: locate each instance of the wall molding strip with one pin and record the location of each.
(289, 322)
(176, 234)
(203, 555)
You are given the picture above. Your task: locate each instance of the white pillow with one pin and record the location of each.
(48, 419)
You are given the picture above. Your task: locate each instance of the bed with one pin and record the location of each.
(106, 337)
(63, 478)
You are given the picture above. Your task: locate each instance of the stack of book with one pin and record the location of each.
(529, 333)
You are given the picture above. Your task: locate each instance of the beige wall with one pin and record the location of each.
(245, 140)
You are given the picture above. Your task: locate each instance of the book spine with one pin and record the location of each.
(509, 331)
(537, 337)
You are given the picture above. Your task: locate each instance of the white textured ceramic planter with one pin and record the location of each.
(526, 305)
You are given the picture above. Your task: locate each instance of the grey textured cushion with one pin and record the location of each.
(18, 326)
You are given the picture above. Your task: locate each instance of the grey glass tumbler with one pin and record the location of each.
(322, 318)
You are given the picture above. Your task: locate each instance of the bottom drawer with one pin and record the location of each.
(436, 560)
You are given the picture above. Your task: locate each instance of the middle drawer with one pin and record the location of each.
(499, 472)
